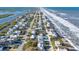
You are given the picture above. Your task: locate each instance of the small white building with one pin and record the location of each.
(12, 37)
(23, 20)
(48, 24)
(33, 32)
(16, 25)
(54, 34)
(32, 37)
(40, 42)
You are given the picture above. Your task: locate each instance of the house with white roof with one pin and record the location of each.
(40, 42)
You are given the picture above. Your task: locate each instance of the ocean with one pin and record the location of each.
(70, 14)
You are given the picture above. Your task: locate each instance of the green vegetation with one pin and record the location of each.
(5, 15)
(7, 24)
(30, 45)
(2, 34)
(60, 40)
(12, 24)
(29, 33)
(4, 25)
(52, 41)
(4, 31)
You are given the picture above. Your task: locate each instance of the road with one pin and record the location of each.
(20, 48)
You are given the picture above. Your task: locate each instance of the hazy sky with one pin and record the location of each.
(38, 3)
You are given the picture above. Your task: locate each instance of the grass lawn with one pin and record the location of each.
(30, 44)
(53, 43)
(60, 40)
(52, 40)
